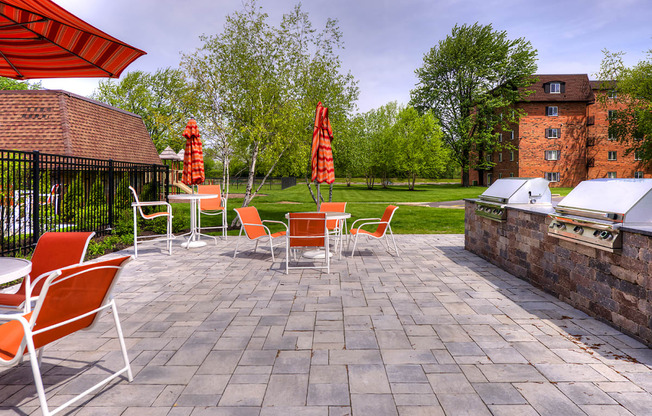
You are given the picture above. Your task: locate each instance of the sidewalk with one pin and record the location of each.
(438, 331)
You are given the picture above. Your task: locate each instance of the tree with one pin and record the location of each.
(418, 146)
(162, 99)
(631, 91)
(266, 82)
(12, 84)
(468, 80)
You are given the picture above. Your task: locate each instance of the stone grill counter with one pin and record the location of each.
(613, 287)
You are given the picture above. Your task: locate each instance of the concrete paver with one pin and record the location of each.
(437, 331)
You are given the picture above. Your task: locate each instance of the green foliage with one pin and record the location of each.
(123, 196)
(73, 199)
(632, 123)
(257, 86)
(96, 196)
(12, 84)
(470, 80)
(163, 100)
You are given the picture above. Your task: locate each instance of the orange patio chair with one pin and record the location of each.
(72, 299)
(381, 229)
(212, 207)
(138, 208)
(335, 227)
(307, 230)
(255, 229)
(53, 251)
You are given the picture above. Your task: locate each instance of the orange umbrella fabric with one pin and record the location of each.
(193, 156)
(322, 154)
(39, 39)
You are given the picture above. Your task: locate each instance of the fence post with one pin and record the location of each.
(111, 199)
(167, 182)
(36, 196)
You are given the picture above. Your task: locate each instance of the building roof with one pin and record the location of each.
(59, 122)
(576, 88)
(602, 85)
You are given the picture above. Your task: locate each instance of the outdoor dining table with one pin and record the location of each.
(12, 268)
(340, 217)
(193, 236)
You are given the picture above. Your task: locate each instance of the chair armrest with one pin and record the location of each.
(278, 222)
(363, 219)
(364, 224)
(149, 204)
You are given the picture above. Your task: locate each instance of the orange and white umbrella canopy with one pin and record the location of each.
(193, 157)
(39, 39)
(322, 154)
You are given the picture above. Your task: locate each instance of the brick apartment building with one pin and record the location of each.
(564, 137)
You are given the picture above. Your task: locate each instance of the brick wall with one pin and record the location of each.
(615, 288)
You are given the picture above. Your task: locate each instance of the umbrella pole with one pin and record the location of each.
(318, 196)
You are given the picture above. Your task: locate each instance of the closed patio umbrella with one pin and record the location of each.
(193, 156)
(39, 39)
(322, 154)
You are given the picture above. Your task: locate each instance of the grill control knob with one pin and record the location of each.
(561, 226)
(596, 233)
(578, 229)
(606, 235)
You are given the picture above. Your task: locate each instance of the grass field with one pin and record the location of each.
(364, 203)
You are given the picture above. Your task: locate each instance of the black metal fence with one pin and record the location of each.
(43, 192)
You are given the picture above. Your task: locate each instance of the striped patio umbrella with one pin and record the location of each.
(39, 39)
(321, 157)
(193, 156)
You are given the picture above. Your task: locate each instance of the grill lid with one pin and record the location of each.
(620, 200)
(518, 191)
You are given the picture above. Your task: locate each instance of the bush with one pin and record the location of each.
(73, 199)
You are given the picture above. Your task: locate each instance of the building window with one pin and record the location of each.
(511, 135)
(612, 94)
(552, 176)
(553, 133)
(552, 111)
(611, 114)
(612, 134)
(511, 174)
(611, 175)
(552, 155)
(611, 155)
(639, 175)
(511, 155)
(488, 158)
(555, 88)
(500, 137)
(500, 156)
(500, 176)
(637, 155)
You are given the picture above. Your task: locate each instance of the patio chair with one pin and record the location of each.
(167, 214)
(255, 229)
(381, 230)
(72, 299)
(53, 251)
(334, 225)
(307, 230)
(212, 207)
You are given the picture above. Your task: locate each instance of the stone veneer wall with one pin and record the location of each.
(615, 288)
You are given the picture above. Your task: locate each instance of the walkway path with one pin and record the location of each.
(436, 332)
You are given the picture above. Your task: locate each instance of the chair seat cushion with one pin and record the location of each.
(361, 231)
(12, 299)
(155, 215)
(11, 335)
(278, 234)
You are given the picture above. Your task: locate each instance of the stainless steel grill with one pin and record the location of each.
(512, 191)
(595, 211)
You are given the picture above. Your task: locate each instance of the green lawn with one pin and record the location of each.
(364, 203)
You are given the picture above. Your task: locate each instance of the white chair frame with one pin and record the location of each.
(375, 221)
(138, 208)
(35, 357)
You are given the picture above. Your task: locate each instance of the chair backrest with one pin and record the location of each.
(385, 220)
(54, 251)
(307, 229)
(332, 207)
(249, 215)
(136, 200)
(78, 290)
(213, 204)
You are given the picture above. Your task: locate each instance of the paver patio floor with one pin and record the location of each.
(438, 331)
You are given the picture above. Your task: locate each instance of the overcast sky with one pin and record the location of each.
(385, 40)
